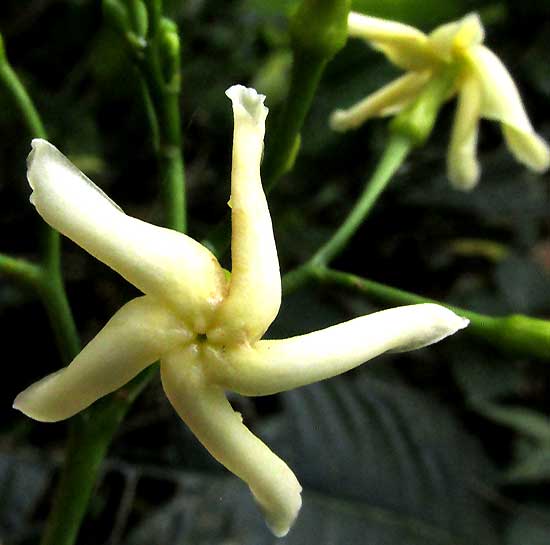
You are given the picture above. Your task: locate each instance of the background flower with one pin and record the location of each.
(441, 463)
(484, 88)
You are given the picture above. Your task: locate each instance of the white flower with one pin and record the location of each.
(483, 86)
(204, 327)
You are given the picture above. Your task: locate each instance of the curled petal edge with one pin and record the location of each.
(454, 38)
(160, 262)
(254, 294)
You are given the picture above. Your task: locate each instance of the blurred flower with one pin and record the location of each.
(482, 83)
(204, 326)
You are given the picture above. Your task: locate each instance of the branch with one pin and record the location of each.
(93, 430)
(396, 152)
(515, 334)
(318, 31)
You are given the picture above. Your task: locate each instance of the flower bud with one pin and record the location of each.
(319, 27)
(169, 42)
(116, 15)
(417, 120)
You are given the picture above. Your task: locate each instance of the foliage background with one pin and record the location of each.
(447, 445)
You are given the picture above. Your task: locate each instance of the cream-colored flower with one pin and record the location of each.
(204, 327)
(483, 86)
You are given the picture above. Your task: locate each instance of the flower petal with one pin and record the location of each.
(133, 338)
(158, 261)
(404, 45)
(456, 37)
(255, 291)
(388, 100)
(528, 148)
(269, 367)
(501, 102)
(462, 164)
(205, 409)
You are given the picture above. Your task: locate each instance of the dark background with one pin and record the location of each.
(447, 445)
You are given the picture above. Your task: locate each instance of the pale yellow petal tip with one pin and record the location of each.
(24, 404)
(464, 183)
(539, 156)
(527, 147)
(356, 22)
(437, 322)
(39, 147)
(249, 102)
(40, 150)
(281, 521)
(49, 170)
(340, 121)
(17, 405)
(446, 318)
(543, 165)
(40, 403)
(470, 32)
(464, 174)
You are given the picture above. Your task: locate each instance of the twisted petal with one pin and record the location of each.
(501, 102)
(133, 338)
(255, 290)
(268, 366)
(404, 45)
(454, 38)
(388, 100)
(462, 164)
(158, 261)
(219, 428)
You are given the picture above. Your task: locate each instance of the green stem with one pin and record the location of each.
(160, 69)
(54, 298)
(417, 120)
(514, 334)
(318, 30)
(154, 11)
(480, 324)
(90, 434)
(151, 115)
(21, 99)
(47, 278)
(92, 431)
(396, 151)
(171, 167)
(21, 269)
(284, 141)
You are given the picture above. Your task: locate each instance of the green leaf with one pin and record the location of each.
(481, 374)
(524, 285)
(380, 464)
(532, 526)
(532, 448)
(390, 459)
(525, 421)
(23, 482)
(533, 468)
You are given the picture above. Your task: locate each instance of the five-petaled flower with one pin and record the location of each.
(203, 325)
(483, 85)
